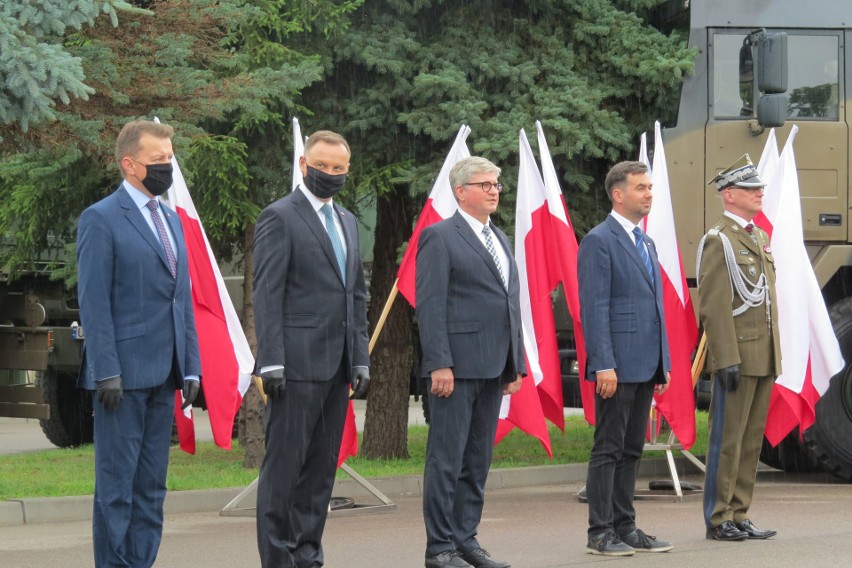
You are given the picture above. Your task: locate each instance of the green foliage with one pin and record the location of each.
(35, 68)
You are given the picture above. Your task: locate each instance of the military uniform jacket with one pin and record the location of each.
(750, 339)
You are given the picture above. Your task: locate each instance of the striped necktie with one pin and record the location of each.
(643, 251)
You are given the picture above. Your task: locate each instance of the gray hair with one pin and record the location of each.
(466, 168)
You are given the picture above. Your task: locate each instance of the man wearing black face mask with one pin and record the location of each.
(141, 344)
(311, 324)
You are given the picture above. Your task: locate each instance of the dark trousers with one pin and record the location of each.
(131, 459)
(458, 456)
(303, 433)
(737, 421)
(621, 423)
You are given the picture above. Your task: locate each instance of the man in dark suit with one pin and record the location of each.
(141, 345)
(736, 304)
(468, 312)
(628, 357)
(311, 322)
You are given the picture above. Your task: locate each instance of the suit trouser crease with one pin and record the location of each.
(462, 428)
(303, 434)
(621, 423)
(131, 462)
(736, 422)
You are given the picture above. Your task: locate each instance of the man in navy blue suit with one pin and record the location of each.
(141, 344)
(628, 357)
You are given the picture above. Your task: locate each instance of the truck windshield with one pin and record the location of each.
(813, 77)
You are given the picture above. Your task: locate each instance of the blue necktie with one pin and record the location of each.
(640, 246)
(153, 207)
(336, 243)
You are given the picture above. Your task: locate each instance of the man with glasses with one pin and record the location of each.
(468, 312)
(736, 305)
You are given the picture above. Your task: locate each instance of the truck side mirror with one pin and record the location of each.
(772, 110)
(772, 64)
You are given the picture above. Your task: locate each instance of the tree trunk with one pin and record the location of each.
(251, 414)
(386, 424)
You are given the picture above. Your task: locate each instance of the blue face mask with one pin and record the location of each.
(324, 185)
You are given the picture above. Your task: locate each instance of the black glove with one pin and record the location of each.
(729, 377)
(360, 381)
(273, 383)
(110, 393)
(190, 391)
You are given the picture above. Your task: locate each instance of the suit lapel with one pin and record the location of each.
(350, 240)
(629, 246)
(504, 242)
(135, 217)
(468, 235)
(306, 211)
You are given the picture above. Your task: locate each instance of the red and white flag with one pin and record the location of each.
(677, 404)
(440, 205)
(349, 441)
(809, 349)
(226, 360)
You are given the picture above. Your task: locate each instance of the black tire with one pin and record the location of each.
(830, 438)
(71, 422)
(789, 455)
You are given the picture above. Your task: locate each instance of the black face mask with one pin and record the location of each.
(324, 185)
(158, 178)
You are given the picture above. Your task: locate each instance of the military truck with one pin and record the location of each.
(40, 351)
(762, 64)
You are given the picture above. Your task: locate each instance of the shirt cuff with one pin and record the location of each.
(266, 368)
(191, 378)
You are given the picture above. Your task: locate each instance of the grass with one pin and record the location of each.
(65, 472)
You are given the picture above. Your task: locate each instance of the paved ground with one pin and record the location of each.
(534, 527)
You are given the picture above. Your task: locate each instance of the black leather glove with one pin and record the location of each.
(729, 377)
(190, 391)
(273, 383)
(110, 392)
(360, 381)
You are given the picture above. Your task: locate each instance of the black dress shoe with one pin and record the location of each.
(480, 558)
(753, 532)
(727, 530)
(641, 542)
(446, 559)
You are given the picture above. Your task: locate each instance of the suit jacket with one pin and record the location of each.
(621, 308)
(137, 318)
(747, 340)
(305, 316)
(467, 318)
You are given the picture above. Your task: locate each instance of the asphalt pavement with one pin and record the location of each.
(532, 518)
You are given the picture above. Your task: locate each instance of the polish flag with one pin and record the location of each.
(226, 360)
(349, 441)
(677, 404)
(810, 351)
(440, 205)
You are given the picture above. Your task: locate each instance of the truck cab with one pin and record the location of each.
(722, 114)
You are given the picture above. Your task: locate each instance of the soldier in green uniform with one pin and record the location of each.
(736, 305)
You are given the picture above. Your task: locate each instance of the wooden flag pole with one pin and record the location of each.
(381, 323)
(698, 361)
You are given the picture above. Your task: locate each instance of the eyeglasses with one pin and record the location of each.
(487, 185)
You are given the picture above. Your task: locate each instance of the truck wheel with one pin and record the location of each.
(789, 455)
(71, 422)
(830, 438)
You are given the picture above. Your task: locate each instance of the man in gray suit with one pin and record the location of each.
(621, 310)
(311, 323)
(468, 312)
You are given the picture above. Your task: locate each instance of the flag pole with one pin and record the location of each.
(698, 362)
(381, 323)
